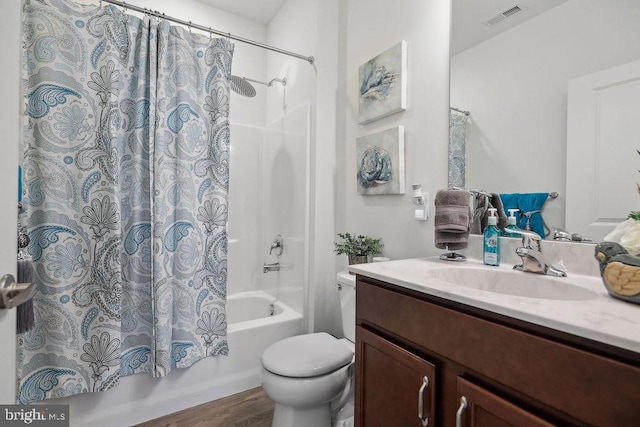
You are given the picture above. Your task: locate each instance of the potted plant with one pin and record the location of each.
(357, 248)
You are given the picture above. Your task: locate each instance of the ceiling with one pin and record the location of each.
(469, 17)
(262, 11)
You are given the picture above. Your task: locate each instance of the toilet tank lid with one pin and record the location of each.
(346, 279)
(305, 356)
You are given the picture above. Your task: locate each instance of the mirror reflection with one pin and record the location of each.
(511, 64)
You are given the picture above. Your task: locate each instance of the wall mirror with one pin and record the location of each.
(511, 64)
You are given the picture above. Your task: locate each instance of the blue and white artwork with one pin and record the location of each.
(380, 162)
(382, 84)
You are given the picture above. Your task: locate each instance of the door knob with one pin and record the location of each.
(13, 294)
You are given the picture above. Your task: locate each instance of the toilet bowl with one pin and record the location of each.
(304, 374)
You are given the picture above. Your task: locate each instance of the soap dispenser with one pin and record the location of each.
(511, 224)
(491, 252)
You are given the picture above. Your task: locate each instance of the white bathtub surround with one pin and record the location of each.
(585, 309)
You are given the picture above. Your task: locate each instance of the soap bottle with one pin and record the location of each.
(511, 224)
(491, 253)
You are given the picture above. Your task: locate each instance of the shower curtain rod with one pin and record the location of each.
(466, 113)
(189, 24)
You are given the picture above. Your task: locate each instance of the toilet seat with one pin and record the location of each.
(306, 356)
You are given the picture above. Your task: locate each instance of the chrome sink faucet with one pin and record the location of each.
(531, 254)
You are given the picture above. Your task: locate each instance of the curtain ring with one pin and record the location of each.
(124, 11)
(100, 3)
(189, 27)
(210, 34)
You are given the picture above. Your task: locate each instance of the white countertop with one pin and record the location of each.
(599, 317)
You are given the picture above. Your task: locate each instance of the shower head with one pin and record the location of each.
(241, 86)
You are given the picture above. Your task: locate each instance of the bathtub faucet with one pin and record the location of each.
(271, 267)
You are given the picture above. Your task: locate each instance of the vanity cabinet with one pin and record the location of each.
(510, 372)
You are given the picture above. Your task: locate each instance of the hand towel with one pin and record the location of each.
(452, 219)
(495, 202)
(530, 205)
(481, 212)
(480, 209)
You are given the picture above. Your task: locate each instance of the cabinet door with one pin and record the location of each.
(481, 408)
(393, 386)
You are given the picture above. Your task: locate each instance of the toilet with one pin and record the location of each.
(305, 374)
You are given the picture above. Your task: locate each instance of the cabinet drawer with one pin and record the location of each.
(588, 387)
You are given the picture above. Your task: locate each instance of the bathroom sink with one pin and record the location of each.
(511, 282)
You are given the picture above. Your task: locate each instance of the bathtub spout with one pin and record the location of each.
(271, 267)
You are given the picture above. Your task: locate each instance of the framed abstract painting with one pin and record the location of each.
(380, 162)
(382, 84)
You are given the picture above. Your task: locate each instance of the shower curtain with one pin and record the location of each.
(457, 147)
(126, 173)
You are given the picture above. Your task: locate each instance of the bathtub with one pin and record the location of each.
(246, 307)
(254, 321)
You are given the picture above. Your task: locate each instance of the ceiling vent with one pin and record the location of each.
(505, 14)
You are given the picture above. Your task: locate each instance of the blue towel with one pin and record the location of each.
(530, 205)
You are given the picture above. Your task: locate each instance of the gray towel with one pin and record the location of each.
(481, 213)
(452, 219)
(480, 209)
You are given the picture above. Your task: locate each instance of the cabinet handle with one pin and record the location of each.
(463, 406)
(423, 418)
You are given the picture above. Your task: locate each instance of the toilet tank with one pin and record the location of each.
(347, 289)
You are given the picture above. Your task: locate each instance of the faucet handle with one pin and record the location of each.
(530, 239)
(277, 244)
(561, 235)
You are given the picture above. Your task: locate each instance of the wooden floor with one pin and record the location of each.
(251, 408)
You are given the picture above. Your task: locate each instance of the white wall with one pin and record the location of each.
(323, 312)
(515, 85)
(372, 27)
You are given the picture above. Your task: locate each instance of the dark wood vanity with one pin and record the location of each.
(418, 354)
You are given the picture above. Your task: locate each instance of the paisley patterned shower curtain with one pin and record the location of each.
(457, 148)
(126, 173)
